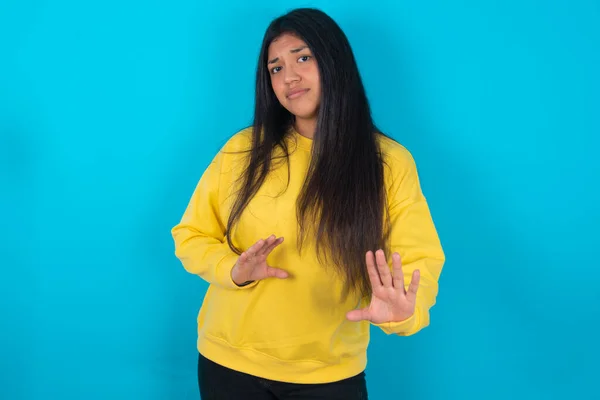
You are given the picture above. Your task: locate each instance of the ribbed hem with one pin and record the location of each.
(302, 142)
(255, 363)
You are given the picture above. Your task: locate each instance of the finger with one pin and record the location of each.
(268, 249)
(276, 273)
(398, 273)
(414, 285)
(358, 315)
(255, 248)
(243, 259)
(372, 270)
(268, 242)
(384, 269)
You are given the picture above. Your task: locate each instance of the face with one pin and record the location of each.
(294, 76)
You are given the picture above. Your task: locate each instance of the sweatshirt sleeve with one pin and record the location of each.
(200, 242)
(414, 237)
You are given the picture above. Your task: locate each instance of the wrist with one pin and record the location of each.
(238, 282)
(395, 319)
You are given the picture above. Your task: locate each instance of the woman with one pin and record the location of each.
(290, 319)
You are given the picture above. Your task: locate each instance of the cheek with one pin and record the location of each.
(315, 83)
(315, 80)
(313, 69)
(278, 87)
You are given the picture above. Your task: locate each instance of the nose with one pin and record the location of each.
(291, 75)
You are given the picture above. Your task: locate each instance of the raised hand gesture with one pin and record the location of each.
(390, 302)
(252, 264)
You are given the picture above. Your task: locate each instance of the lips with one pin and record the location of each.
(294, 94)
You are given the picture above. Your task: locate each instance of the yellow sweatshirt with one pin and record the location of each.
(294, 329)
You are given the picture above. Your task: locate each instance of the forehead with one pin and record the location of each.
(285, 43)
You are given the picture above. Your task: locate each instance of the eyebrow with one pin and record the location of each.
(297, 50)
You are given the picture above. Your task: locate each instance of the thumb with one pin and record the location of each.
(276, 273)
(358, 315)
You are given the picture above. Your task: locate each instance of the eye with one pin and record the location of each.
(304, 58)
(275, 70)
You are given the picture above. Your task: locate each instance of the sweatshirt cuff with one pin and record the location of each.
(223, 273)
(401, 327)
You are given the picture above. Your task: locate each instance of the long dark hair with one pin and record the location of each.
(344, 189)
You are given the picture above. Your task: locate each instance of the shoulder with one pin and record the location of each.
(396, 156)
(401, 175)
(239, 141)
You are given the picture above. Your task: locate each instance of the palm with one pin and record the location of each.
(259, 270)
(390, 301)
(252, 264)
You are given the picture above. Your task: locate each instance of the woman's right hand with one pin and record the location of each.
(252, 264)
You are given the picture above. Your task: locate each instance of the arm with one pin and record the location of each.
(199, 237)
(414, 236)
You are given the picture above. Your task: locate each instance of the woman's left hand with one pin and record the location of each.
(390, 302)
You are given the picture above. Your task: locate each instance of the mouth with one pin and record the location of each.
(294, 94)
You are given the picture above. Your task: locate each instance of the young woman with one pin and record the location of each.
(291, 319)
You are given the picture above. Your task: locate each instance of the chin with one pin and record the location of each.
(303, 113)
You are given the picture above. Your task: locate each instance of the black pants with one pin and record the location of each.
(220, 383)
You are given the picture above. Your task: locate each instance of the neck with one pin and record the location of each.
(306, 127)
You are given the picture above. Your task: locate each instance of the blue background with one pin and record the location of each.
(110, 111)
